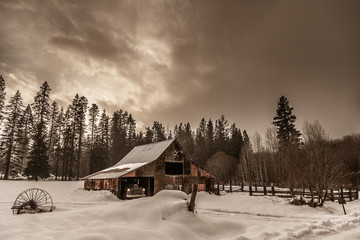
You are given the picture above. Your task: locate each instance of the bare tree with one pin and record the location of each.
(222, 166)
(322, 169)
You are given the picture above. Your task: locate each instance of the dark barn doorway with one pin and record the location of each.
(131, 187)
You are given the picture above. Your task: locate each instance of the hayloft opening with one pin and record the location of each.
(174, 168)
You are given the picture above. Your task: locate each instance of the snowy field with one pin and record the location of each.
(99, 215)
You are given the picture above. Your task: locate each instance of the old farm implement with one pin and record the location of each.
(33, 200)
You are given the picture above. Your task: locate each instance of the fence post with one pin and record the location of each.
(357, 193)
(350, 197)
(250, 190)
(242, 186)
(265, 191)
(342, 192)
(332, 195)
(193, 196)
(272, 189)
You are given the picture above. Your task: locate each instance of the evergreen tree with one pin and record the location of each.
(149, 136)
(38, 165)
(52, 132)
(235, 141)
(25, 136)
(99, 157)
(140, 139)
(131, 134)
(188, 140)
(68, 147)
(11, 135)
(158, 132)
(170, 135)
(80, 108)
(58, 141)
(210, 148)
(2, 97)
(93, 114)
(221, 133)
(284, 120)
(200, 155)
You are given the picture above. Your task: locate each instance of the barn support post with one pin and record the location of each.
(193, 196)
(147, 187)
(123, 190)
(118, 194)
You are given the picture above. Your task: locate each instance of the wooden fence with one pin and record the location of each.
(332, 195)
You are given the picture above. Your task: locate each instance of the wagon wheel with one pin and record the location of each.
(33, 200)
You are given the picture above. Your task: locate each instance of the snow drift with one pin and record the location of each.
(100, 215)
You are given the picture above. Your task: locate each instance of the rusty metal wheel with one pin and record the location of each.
(33, 200)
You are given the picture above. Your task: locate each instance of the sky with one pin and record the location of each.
(180, 61)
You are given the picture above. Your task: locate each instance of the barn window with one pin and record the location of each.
(173, 168)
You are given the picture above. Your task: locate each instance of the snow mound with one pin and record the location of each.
(84, 215)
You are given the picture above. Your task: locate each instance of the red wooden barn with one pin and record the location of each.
(150, 168)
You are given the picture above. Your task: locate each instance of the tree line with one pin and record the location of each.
(43, 139)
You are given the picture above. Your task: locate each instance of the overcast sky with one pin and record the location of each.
(175, 61)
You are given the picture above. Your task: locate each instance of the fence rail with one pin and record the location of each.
(332, 195)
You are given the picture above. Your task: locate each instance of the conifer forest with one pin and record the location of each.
(43, 140)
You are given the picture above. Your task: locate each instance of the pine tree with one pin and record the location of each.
(140, 140)
(284, 120)
(235, 141)
(99, 157)
(68, 144)
(221, 133)
(158, 131)
(38, 165)
(93, 114)
(115, 137)
(11, 135)
(131, 134)
(25, 136)
(52, 132)
(58, 141)
(149, 136)
(2, 97)
(80, 109)
(188, 142)
(200, 144)
(210, 148)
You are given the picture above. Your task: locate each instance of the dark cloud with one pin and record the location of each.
(183, 60)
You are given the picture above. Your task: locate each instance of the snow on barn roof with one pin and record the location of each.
(137, 157)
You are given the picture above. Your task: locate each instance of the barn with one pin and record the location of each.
(150, 168)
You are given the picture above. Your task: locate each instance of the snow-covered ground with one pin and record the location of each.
(99, 215)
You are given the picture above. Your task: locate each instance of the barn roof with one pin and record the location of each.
(145, 153)
(137, 157)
